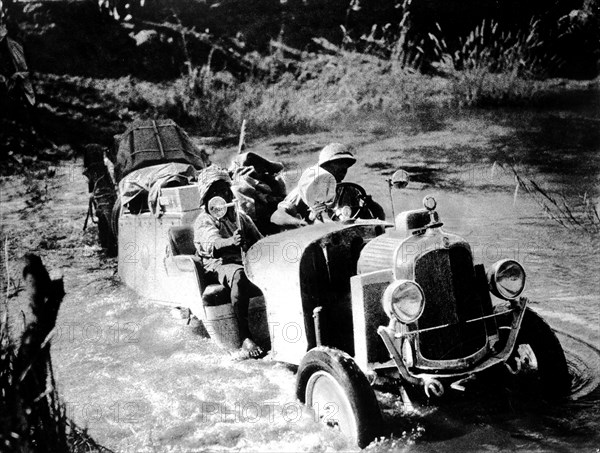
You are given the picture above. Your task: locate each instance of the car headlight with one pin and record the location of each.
(404, 300)
(506, 279)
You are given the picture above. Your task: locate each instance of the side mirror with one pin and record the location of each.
(217, 207)
(399, 179)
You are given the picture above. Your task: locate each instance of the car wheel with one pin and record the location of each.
(330, 382)
(539, 360)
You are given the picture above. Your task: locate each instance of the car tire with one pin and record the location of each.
(551, 380)
(330, 382)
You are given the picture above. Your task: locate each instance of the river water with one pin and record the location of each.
(466, 161)
(141, 380)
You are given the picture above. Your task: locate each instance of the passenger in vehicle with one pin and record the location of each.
(258, 187)
(220, 242)
(335, 159)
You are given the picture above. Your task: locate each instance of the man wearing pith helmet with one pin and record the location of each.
(334, 161)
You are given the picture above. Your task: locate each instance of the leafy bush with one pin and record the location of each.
(329, 88)
(324, 89)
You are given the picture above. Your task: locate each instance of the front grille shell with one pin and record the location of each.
(442, 264)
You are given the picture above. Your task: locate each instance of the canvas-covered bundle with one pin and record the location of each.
(140, 190)
(150, 142)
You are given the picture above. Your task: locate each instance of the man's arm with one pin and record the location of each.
(282, 218)
(208, 240)
(285, 215)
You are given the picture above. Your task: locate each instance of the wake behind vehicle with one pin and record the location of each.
(356, 302)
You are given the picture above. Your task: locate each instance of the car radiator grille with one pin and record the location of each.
(447, 277)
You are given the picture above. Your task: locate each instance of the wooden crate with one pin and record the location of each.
(179, 199)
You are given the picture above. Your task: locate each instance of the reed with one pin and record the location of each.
(581, 214)
(495, 67)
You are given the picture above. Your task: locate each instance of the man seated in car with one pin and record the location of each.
(220, 242)
(294, 211)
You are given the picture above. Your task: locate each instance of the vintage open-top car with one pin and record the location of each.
(375, 302)
(356, 302)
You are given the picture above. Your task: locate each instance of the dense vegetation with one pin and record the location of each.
(285, 66)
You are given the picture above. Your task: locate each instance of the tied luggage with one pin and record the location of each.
(147, 143)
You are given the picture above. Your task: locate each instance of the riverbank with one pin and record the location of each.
(331, 94)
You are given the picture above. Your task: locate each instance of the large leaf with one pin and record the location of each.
(17, 54)
(18, 57)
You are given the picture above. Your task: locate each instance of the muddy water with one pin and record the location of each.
(141, 380)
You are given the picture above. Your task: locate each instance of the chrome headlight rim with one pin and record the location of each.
(388, 300)
(498, 290)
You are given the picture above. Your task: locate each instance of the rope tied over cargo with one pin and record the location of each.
(158, 140)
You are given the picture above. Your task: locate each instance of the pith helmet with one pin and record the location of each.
(336, 151)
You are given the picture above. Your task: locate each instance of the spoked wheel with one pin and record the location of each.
(330, 382)
(538, 361)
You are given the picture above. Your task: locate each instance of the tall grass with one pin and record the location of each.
(329, 88)
(492, 66)
(323, 89)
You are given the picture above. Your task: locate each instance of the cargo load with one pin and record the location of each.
(151, 142)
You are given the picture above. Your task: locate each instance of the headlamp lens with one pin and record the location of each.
(507, 279)
(404, 300)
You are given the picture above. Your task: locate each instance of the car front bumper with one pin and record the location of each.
(456, 370)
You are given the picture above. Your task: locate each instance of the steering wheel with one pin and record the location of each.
(352, 202)
(340, 202)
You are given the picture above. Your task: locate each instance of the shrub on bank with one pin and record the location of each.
(325, 90)
(482, 88)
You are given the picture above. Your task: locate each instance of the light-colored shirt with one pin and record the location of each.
(313, 179)
(207, 230)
